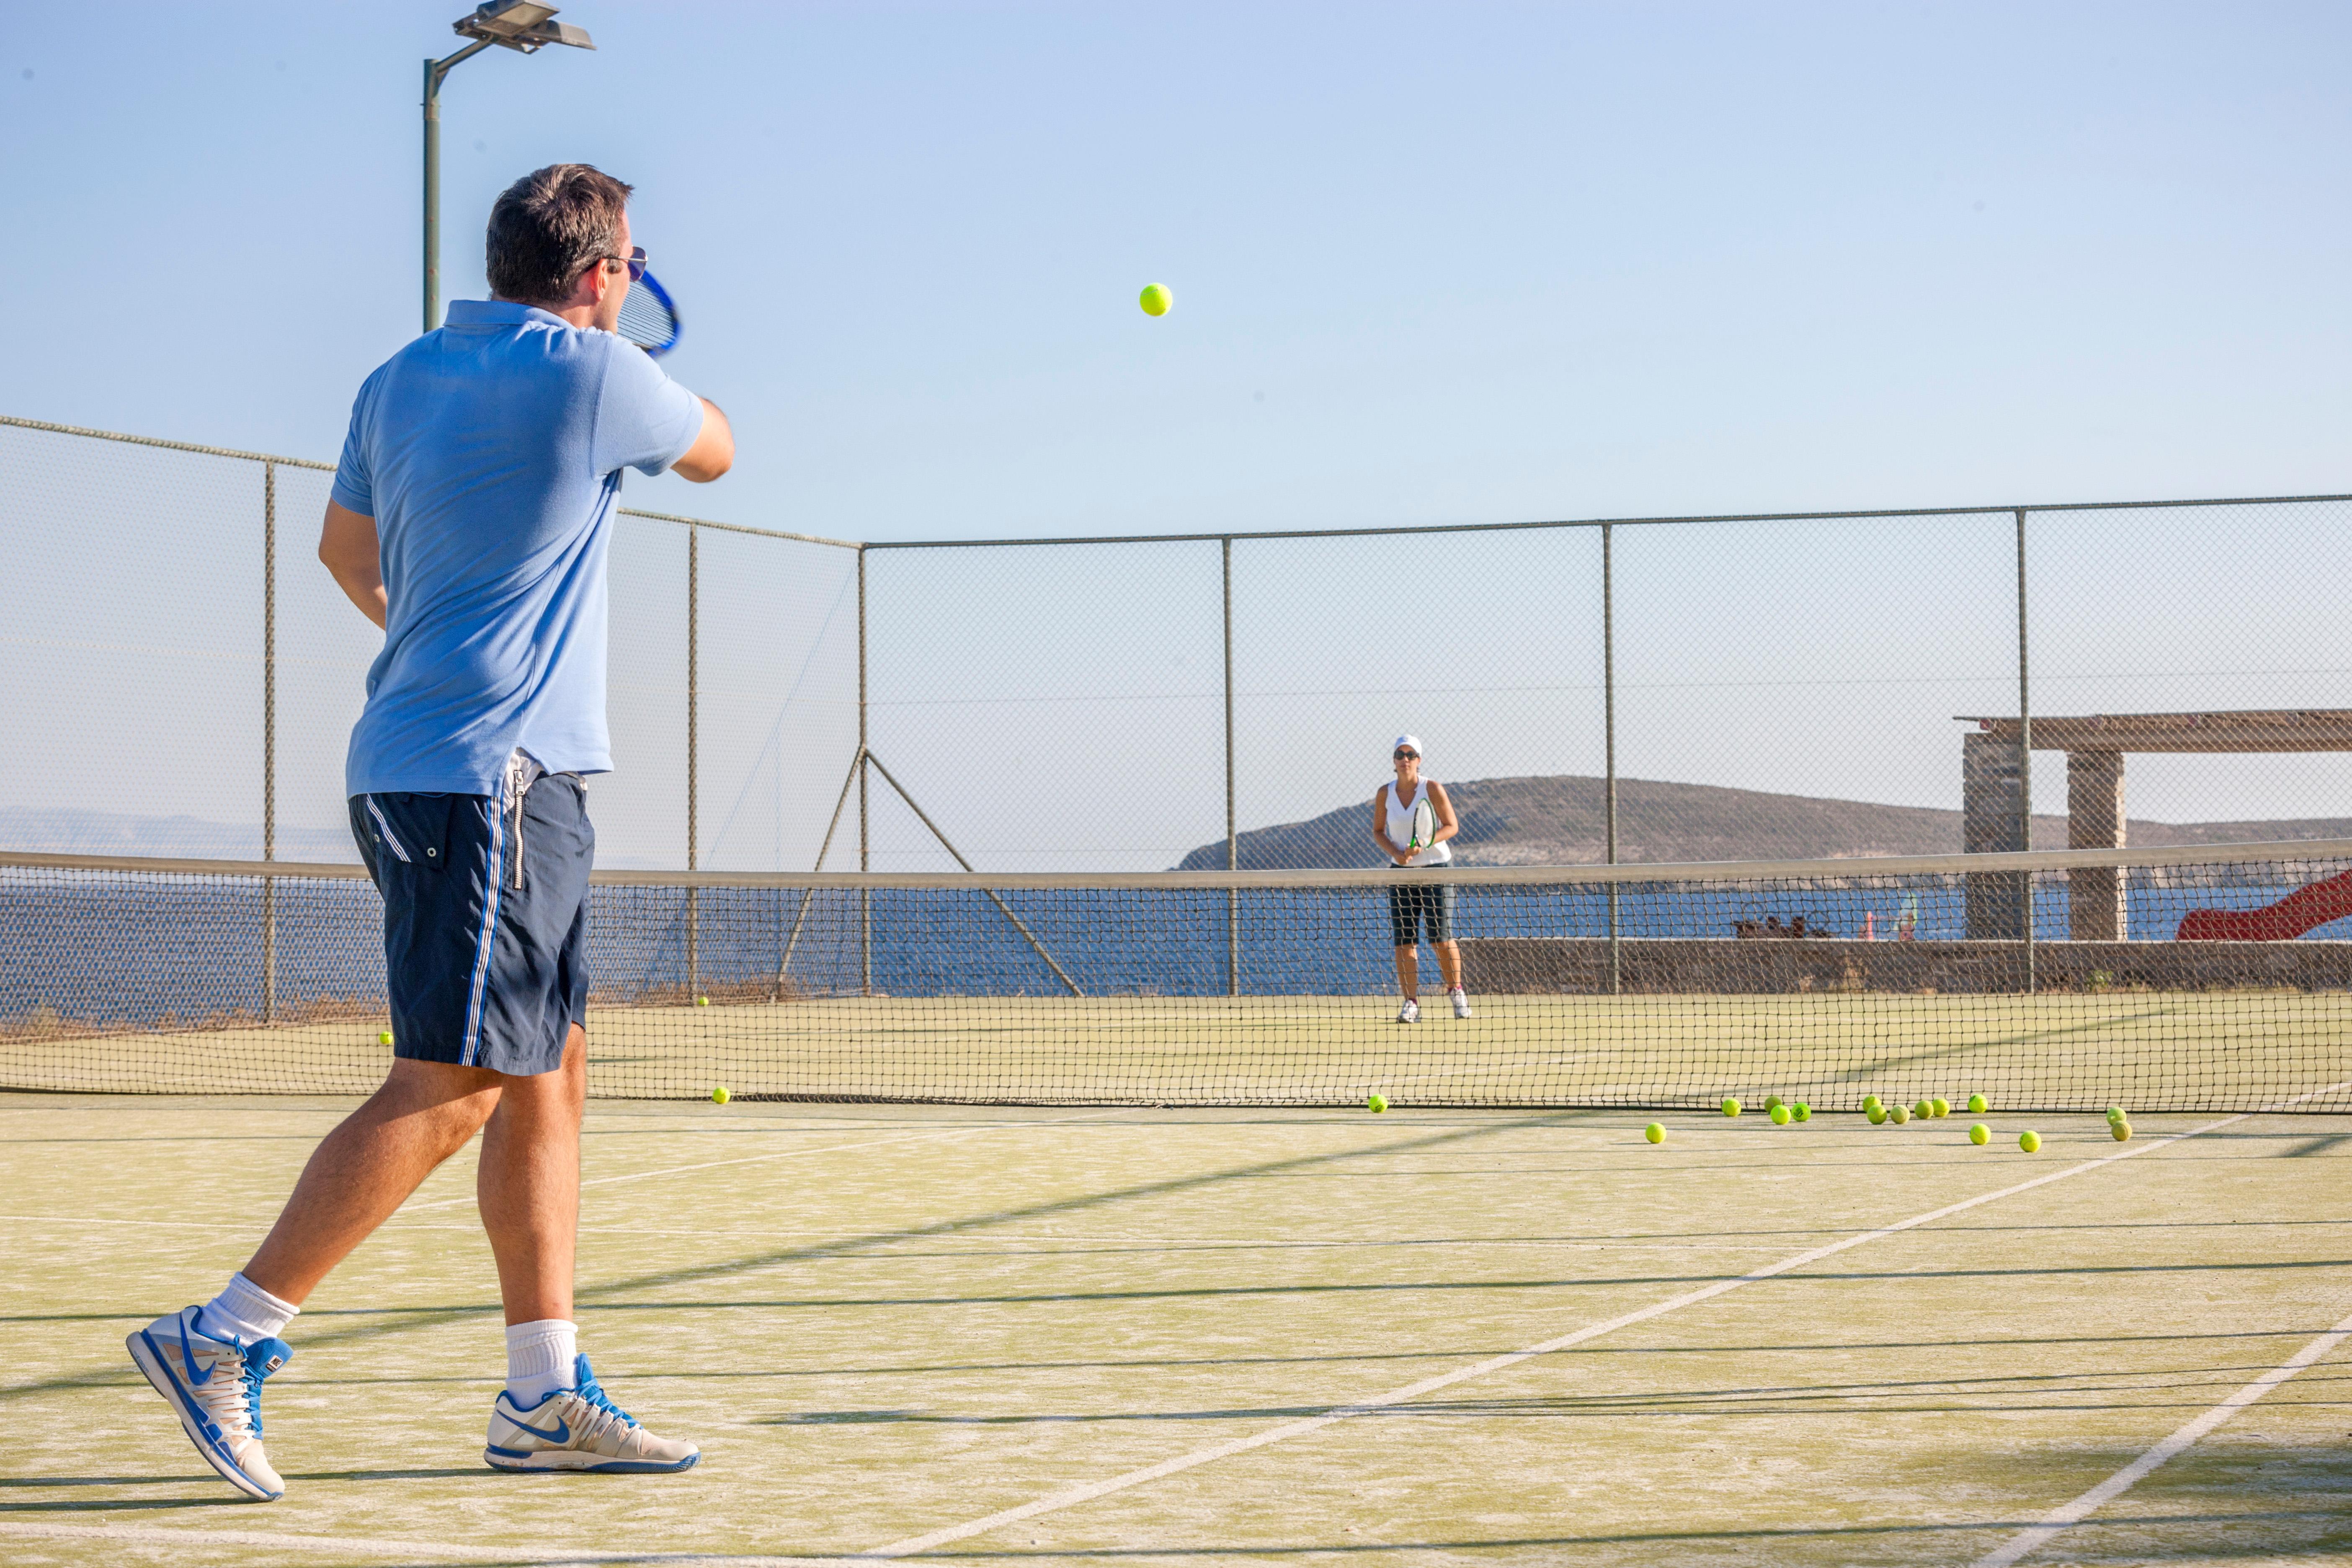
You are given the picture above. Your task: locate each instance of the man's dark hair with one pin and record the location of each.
(549, 228)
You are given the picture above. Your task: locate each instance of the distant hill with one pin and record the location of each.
(1559, 821)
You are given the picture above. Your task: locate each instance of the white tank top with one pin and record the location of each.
(1400, 825)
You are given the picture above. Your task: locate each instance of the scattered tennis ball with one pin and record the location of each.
(1976, 1105)
(384, 1038)
(1900, 1115)
(1655, 1133)
(1376, 1103)
(1877, 1114)
(1942, 1107)
(2030, 1142)
(1923, 1111)
(702, 1001)
(1872, 1102)
(1773, 1102)
(1979, 1135)
(2114, 1114)
(1780, 1115)
(2121, 1130)
(1801, 1111)
(1730, 1106)
(719, 1096)
(1156, 299)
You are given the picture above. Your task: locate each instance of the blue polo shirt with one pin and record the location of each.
(490, 453)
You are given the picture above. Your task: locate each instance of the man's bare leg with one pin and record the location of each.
(528, 1184)
(367, 1167)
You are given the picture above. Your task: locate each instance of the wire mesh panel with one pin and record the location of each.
(1050, 707)
(777, 694)
(1824, 981)
(325, 646)
(130, 630)
(640, 807)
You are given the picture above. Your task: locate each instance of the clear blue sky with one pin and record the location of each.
(1477, 261)
(1462, 264)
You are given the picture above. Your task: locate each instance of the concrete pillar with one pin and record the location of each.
(2095, 820)
(1988, 825)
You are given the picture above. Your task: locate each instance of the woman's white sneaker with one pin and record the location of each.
(213, 1385)
(578, 1429)
(1461, 1003)
(1409, 1012)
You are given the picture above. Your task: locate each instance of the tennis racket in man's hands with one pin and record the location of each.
(648, 318)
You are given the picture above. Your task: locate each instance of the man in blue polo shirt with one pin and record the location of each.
(470, 518)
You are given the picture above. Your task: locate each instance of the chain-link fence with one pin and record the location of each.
(181, 677)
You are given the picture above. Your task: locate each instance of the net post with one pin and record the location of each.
(1609, 740)
(693, 755)
(864, 895)
(269, 739)
(1233, 845)
(2024, 752)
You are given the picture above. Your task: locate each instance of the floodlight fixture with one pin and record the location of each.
(525, 27)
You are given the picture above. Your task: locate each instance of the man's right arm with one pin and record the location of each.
(349, 550)
(713, 452)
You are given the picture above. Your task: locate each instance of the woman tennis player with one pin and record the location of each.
(1412, 819)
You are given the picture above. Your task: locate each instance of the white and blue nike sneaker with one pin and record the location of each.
(579, 1429)
(214, 1384)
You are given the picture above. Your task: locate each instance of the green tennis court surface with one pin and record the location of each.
(886, 1325)
(2206, 1050)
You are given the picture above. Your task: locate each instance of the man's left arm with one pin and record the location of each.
(349, 550)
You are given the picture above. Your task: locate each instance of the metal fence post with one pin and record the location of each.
(693, 756)
(2024, 752)
(1233, 844)
(864, 841)
(269, 739)
(1609, 740)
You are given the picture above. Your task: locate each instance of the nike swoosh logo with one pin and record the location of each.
(561, 1433)
(188, 1360)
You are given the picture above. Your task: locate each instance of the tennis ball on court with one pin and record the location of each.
(2121, 1130)
(1877, 1114)
(1801, 1111)
(1730, 1106)
(1900, 1115)
(1979, 1135)
(1976, 1105)
(1376, 1103)
(2030, 1142)
(1872, 1102)
(1780, 1115)
(1942, 1106)
(384, 1038)
(1156, 299)
(2114, 1114)
(1655, 1133)
(1773, 1102)
(1923, 1111)
(719, 1096)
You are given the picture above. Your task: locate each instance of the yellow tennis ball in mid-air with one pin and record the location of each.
(719, 1096)
(1730, 1106)
(1976, 1105)
(1156, 299)
(2030, 1142)
(1376, 1103)
(702, 1001)
(384, 1038)
(1655, 1133)
(1979, 1135)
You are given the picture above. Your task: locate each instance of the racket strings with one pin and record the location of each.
(647, 317)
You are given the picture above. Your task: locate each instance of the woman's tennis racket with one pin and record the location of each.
(1424, 827)
(648, 318)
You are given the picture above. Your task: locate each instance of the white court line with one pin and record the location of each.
(2034, 1538)
(1095, 1111)
(1070, 1496)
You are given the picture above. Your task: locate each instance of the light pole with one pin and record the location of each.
(522, 26)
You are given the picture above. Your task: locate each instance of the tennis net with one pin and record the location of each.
(2182, 979)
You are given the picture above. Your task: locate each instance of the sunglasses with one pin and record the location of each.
(1399, 756)
(635, 261)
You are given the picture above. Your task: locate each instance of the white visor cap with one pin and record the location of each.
(1406, 743)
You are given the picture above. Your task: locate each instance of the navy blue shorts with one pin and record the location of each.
(484, 920)
(1411, 907)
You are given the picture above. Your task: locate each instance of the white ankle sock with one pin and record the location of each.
(248, 1312)
(538, 1359)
